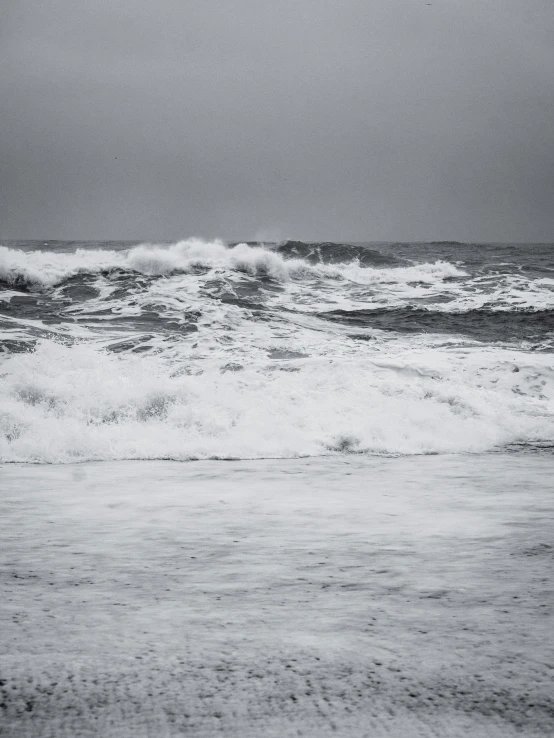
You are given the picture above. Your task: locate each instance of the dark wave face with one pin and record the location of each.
(204, 349)
(335, 253)
(535, 326)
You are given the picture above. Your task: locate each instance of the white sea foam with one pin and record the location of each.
(62, 404)
(418, 273)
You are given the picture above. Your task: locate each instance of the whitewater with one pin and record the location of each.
(209, 350)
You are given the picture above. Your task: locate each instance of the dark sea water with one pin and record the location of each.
(201, 349)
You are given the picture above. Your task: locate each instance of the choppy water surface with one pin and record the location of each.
(211, 350)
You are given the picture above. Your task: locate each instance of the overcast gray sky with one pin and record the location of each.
(313, 119)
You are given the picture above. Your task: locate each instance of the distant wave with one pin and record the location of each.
(48, 268)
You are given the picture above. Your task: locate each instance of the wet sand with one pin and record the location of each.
(347, 597)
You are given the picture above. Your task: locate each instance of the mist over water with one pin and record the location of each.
(212, 350)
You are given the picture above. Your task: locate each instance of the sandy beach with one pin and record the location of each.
(349, 597)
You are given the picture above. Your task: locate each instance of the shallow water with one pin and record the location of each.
(349, 596)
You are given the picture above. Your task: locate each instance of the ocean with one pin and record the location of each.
(208, 350)
(276, 489)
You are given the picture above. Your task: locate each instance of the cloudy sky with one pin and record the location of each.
(313, 119)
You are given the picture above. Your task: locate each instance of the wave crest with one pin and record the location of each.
(47, 269)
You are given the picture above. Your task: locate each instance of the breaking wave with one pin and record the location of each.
(64, 404)
(47, 269)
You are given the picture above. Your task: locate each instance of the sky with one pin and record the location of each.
(246, 119)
